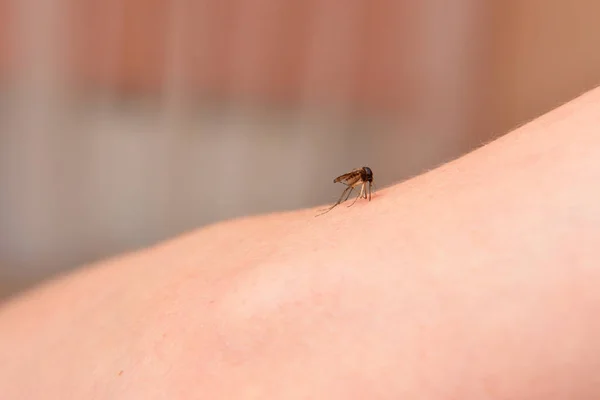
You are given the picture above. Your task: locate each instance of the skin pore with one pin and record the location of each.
(477, 280)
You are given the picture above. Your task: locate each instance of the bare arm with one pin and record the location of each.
(477, 280)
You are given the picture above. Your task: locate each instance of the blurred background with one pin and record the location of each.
(125, 122)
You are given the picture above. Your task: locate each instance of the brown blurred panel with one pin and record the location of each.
(208, 45)
(255, 25)
(540, 54)
(557, 56)
(95, 42)
(287, 65)
(276, 51)
(533, 56)
(7, 41)
(143, 48)
(120, 43)
(312, 51)
(385, 79)
(332, 53)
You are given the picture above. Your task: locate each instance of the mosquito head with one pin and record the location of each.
(368, 174)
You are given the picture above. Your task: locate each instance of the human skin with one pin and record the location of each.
(477, 280)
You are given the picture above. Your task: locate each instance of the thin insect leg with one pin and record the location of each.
(349, 188)
(362, 188)
(369, 191)
(356, 198)
(343, 193)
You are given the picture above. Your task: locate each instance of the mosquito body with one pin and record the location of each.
(362, 177)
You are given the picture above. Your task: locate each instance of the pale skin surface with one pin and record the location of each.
(477, 280)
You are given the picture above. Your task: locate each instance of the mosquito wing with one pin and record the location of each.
(349, 179)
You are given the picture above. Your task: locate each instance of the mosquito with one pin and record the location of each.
(357, 177)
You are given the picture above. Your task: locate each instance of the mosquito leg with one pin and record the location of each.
(362, 188)
(349, 188)
(343, 193)
(369, 191)
(356, 198)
